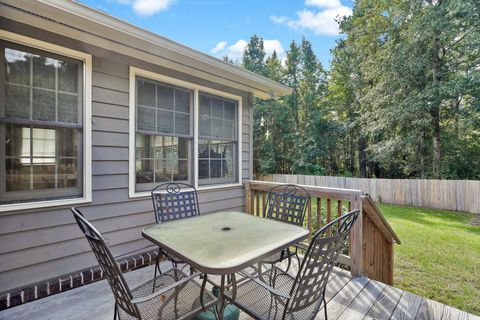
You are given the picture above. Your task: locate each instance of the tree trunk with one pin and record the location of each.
(362, 157)
(435, 111)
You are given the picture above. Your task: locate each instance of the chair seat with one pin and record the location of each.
(180, 302)
(257, 301)
(277, 257)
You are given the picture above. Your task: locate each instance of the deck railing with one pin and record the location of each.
(370, 250)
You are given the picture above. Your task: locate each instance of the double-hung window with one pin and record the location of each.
(41, 125)
(164, 134)
(181, 132)
(217, 144)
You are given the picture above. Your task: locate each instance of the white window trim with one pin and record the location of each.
(87, 125)
(134, 72)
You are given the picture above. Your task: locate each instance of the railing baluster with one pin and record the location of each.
(263, 204)
(319, 213)
(309, 220)
(329, 214)
(258, 203)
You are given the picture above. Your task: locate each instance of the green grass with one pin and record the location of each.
(439, 257)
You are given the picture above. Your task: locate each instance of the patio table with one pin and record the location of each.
(223, 243)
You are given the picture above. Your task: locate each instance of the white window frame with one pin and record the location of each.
(87, 125)
(137, 72)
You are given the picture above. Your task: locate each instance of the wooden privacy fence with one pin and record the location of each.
(371, 239)
(456, 195)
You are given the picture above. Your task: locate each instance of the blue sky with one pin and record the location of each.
(222, 27)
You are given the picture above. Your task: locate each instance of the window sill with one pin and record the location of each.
(200, 189)
(10, 208)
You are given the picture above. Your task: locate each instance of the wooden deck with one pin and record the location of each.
(347, 298)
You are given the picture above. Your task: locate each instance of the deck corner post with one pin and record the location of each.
(248, 197)
(356, 239)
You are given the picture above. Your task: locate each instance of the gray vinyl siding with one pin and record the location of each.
(43, 243)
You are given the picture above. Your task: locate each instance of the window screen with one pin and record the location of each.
(41, 125)
(217, 149)
(164, 134)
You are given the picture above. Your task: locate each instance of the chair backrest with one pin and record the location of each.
(111, 271)
(318, 262)
(175, 200)
(287, 203)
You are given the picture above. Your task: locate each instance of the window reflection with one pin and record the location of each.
(41, 158)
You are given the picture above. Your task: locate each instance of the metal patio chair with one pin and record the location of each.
(286, 203)
(297, 297)
(172, 201)
(171, 295)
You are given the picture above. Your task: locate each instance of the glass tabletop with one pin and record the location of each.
(223, 242)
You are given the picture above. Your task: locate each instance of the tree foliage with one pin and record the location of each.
(402, 97)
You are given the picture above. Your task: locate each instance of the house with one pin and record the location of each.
(94, 112)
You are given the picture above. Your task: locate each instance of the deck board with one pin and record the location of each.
(383, 307)
(347, 298)
(341, 301)
(360, 306)
(407, 307)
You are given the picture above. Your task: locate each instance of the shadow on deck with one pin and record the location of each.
(347, 298)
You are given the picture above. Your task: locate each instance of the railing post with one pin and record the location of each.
(248, 198)
(356, 239)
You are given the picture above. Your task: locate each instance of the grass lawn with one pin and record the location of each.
(439, 257)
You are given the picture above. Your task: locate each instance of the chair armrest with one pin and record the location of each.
(166, 289)
(265, 286)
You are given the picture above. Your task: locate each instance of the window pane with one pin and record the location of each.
(17, 66)
(15, 143)
(215, 168)
(228, 129)
(145, 119)
(182, 101)
(164, 121)
(43, 173)
(217, 128)
(165, 98)
(17, 102)
(43, 105)
(67, 142)
(205, 103)
(68, 77)
(217, 108)
(163, 172)
(203, 151)
(144, 146)
(18, 174)
(182, 123)
(216, 161)
(146, 93)
(203, 169)
(205, 126)
(229, 110)
(44, 72)
(144, 171)
(67, 173)
(67, 108)
(180, 170)
(163, 147)
(43, 144)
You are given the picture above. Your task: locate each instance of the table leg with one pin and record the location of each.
(220, 308)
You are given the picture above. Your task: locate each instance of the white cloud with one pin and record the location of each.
(274, 45)
(147, 7)
(235, 51)
(324, 3)
(219, 47)
(320, 22)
